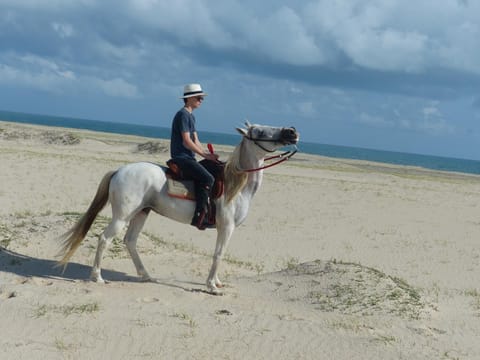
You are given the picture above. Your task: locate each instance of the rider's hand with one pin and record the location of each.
(209, 156)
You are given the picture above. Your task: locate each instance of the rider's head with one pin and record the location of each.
(193, 95)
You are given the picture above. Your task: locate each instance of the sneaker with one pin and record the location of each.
(198, 220)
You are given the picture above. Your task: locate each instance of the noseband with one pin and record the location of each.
(249, 137)
(255, 141)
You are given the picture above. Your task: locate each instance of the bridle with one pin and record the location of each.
(283, 156)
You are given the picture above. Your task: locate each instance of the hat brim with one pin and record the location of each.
(193, 95)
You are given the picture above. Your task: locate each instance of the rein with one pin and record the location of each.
(283, 157)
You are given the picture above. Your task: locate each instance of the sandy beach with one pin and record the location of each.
(338, 259)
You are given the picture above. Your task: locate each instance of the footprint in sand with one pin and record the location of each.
(4, 295)
(148, 300)
(35, 281)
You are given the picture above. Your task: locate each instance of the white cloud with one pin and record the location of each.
(436, 126)
(431, 111)
(63, 30)
(34, 72)
(388, 50)
(460, 49)
(39, 64)
(476, 102)
(374, 121)
(191, 22)
(383, 35)
(399, 35)
(433, 121)
(42, 74)
(295, 90)
(115, 87)
(306, 108)
(283, 38)
(128, 56)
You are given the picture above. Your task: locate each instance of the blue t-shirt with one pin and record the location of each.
(182, 122)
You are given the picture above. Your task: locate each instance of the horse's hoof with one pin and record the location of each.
(213, 290)
(149, 280)
(98, 280)
(217, 292)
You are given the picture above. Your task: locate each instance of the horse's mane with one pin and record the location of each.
(235, 179)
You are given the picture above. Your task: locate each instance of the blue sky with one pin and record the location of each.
(384, 74)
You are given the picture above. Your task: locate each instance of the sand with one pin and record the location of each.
(338, 259)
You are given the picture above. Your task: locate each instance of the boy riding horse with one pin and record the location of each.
(185, 144)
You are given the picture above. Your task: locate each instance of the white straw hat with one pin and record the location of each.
(190, 90)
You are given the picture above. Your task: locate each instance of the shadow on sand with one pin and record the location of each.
(28, 266)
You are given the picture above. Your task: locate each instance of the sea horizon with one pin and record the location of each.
(433, 162)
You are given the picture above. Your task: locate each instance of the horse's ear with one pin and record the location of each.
(247, 123)
(242, 132)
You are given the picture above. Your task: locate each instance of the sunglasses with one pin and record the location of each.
(199, 98)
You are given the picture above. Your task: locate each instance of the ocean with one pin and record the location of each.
(335, 151)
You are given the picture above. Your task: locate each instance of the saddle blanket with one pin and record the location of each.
(184, 189)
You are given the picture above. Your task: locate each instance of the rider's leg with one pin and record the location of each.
(191, 169)
(202, 194)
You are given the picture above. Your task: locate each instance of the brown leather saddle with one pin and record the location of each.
(173, 172)
(183, 188)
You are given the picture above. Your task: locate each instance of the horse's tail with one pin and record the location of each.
(71, 239)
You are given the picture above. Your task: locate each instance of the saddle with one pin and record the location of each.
(180, 187)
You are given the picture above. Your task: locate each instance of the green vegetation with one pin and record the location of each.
(66, 310)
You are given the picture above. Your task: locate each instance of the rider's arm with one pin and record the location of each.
(196, 146)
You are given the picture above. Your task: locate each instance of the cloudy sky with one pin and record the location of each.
(384, 74)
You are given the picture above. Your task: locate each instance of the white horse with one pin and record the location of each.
(135, 189)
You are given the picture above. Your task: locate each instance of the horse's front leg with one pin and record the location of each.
(224, 232)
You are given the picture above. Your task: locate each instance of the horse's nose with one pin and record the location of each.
(290, 135)
(289, 132)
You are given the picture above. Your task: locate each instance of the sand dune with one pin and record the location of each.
(338, 259)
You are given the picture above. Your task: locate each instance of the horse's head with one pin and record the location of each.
(269, 138)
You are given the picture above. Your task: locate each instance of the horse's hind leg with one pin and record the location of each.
(104, 240)
(136, 225)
